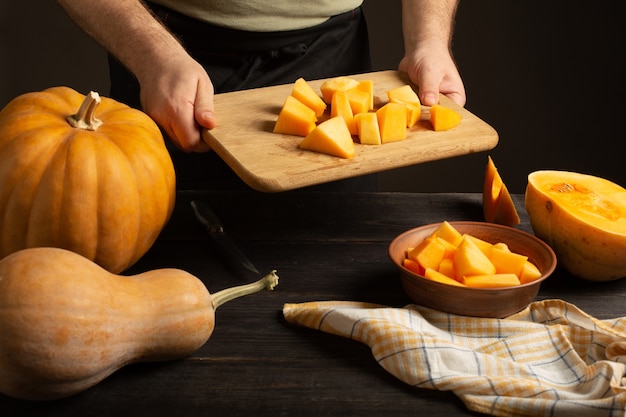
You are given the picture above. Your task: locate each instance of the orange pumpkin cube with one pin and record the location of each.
(367, 128)
(330, 86)
(392, 122)
(470, 260)
(307, 96)
(439, 277)
(359, 100)
(295, 118)
(491, 281)
(448, 232)
(529, 273)
(331, 137)
(429, 253)
(484, 246)
(443, 118)
(403, 94)
(412, 266)
(340, 106)
(507, 262)
(368, 87)
(446, 267)
(413, 113)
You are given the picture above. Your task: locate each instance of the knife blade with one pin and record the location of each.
(207, 217)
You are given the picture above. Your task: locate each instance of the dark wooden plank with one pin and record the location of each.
(325, 247)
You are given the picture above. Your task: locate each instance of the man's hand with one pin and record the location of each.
(427, 32)
(433, 70)
(175, 90)
(179, 97)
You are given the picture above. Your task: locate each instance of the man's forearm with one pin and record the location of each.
(427, 21)
(126, 29)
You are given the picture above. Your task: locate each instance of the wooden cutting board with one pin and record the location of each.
(271, 162)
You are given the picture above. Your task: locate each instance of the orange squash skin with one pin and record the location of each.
(583, 218)
(66, 323)
(105, 194)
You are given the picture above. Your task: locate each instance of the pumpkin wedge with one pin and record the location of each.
(331, 137)
(307, 96)
(583, 218)
(392, 122)
(498, 206)
(443, 118)
(295, 118)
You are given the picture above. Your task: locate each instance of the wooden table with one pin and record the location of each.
(325, 246)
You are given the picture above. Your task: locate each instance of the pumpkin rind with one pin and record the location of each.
(583, 218)
(105, 194)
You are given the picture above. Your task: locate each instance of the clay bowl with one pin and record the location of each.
(475, 302)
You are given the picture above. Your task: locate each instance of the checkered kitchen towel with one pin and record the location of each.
(551, 359)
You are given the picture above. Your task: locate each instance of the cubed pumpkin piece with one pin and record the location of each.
(331, 137)
(491, 281)
(429, 253)
(450, 248)
(529, 273)
(412, 266)
(413, 113)
(340, 106)
(406, 95)
(484, 246)
(403, 94)
(501, 246)
(446, 267)
(443, 118)
(295, 118)
(331, 85)
(307, 95)
(507, 262)
(433, 275)
(392, 122)
(469, 259)
(367, 128)
(359, 100)
(368, 87)
(446, 231)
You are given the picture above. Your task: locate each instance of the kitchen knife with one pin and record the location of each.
(207, 217)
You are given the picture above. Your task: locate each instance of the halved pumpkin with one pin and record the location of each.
(583, 218)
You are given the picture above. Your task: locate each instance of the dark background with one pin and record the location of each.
(547, 75)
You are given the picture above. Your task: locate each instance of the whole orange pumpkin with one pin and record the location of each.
(83, 173)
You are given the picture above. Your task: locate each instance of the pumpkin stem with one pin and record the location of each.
(85, 118)
(268, 282)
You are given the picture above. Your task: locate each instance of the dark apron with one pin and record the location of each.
(238, 60)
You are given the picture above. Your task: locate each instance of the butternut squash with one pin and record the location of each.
(66, 323)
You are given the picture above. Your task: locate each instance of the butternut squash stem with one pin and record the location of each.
(268, 282)
(85, 118)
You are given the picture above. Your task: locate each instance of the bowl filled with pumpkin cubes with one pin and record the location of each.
(470, 268)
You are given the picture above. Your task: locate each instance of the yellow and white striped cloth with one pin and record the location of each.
(551, 359)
